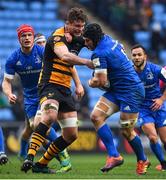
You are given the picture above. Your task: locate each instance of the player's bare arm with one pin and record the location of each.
(7, 89)
(79, 90)
(63, 53)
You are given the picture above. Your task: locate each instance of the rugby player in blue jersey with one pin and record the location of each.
(26, 61)
(115, 74)
(152, 116)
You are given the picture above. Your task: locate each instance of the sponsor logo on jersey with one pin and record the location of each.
(18, 63)
(127, 108)
(164, 123)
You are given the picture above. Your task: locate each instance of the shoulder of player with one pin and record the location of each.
(13, 57)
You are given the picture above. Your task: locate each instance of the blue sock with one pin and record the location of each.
(138, 148)
(52, 135)
(157, 150)
(105, 135)
(165, 147)
(2, 148)
(23, 148)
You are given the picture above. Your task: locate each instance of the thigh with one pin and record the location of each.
(105, 107)
(162, 133)
(149, 129)
(69, 123)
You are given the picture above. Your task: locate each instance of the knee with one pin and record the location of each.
(93, 118)
(49, 116)
(153, 138)
(72, 137)
(128, 133)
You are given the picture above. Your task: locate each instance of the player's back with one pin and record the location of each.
(121, 73)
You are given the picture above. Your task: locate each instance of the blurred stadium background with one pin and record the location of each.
(129, 21)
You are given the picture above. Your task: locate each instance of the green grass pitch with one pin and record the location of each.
(84, 166)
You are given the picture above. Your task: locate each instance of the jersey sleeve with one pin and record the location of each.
(10, 66)
(162, 74)
(100, 63)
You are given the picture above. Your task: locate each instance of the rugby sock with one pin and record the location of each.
(165, 147)
(157, 150)
(24, 148)
(55, 147)
(104, 132)
(52, 135)
(138, 148)
(1, 141)
(37, 139)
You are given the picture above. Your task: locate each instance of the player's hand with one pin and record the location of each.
(12, 98)
(79, 91)
(90, 64)
(157, 104)
(93, 82)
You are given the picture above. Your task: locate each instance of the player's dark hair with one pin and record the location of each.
(93, 31)
(76, 14)
(139, 46)
(38, 35)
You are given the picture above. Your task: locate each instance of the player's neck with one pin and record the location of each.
(26, 50)
(140, 68)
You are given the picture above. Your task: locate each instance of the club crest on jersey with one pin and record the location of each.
(38, 60)
(150, 75)
(57, 38)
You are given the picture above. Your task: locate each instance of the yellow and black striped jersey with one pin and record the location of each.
(54, 69)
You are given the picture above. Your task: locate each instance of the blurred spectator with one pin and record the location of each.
(156, 39)
(64, 6)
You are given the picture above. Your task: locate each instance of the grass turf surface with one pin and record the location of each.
(84, 166)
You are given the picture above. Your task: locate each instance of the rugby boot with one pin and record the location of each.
(162, 166)
(142, 167)
(27, 164)
(112, 162)
(3, 158)
(41, 168)
(64, 162)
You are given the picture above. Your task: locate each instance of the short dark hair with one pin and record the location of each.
(94, 32)
(76, 14)
(139, 46)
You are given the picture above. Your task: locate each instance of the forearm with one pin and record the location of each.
(163, 97)
(75, 77)
(74, 60)
(6, 87)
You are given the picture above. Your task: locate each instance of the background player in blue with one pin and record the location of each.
(3, 157)
(152, 116)
(124, 93)
(26, 62)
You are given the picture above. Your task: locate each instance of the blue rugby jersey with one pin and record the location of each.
(150, 76)
(28, 67)
(110, 55)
